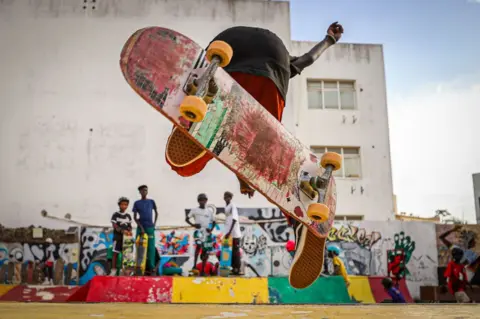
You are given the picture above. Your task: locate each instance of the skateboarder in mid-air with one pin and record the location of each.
(262, 65)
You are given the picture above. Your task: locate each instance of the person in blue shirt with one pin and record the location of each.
(392, 291)
(143, 210)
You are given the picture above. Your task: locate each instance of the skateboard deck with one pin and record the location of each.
(225, 264)
(141, 257)
(128, 254)
(159, 64)
(58, 272)
(4, 273)
(11, 272)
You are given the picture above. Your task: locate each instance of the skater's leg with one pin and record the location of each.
(236, 256)
(150, 265)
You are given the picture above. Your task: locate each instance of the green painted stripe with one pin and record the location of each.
(330, 290)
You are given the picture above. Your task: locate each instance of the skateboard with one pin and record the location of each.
(128, 254)
(141, 257)
(225, 258)
(58, 272)
(11, 273)
(4, 273)
(174, 75)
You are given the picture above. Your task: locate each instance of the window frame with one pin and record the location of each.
(337, 90)
(325, 149)
(349, 218)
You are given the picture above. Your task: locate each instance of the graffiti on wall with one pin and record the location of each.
(94, 250)
(357, 248)
(18, 261)
(467, 238)
(173, 242)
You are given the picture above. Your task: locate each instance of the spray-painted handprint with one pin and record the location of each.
(404, 245)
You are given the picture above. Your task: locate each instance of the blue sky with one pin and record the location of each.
(432, 53)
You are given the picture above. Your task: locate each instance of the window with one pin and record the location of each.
(350, 160)
(331, 95)
(348, 217)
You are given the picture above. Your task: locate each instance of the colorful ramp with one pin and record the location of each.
(326, 290)
(360, 291)
(40, 293)
(220, 290)
(212, 290)
(130, 289)
(379, 292)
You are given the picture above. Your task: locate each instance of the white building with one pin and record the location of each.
(75, 137)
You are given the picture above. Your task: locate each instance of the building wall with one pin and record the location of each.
(476, 195)
(364, 64)
(75, 137)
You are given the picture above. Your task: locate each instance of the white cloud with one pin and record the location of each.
(435, 144)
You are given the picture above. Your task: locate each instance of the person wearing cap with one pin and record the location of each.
(232, 227)
(122, 223)
(204, 222)
(143, 210)
(338, 266)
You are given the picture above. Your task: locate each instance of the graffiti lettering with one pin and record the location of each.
(352, 234)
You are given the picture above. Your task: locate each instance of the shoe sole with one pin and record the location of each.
(307, 265)
(182, 151)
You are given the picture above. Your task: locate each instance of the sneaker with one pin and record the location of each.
(307, 263)
(46, 281)
(113, 272)
(181, 150)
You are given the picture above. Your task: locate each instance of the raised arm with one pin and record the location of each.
(334, 34)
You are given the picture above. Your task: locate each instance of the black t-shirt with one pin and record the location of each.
(259, 52)
(122, 220)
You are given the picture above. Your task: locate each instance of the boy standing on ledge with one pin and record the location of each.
(143, 214)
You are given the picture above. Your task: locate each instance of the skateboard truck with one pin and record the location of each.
(202, 91)
(319, 211)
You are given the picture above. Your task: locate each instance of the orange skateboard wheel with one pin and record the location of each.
(318, 212)
(221, 49)
(193, 108)
(331, 158)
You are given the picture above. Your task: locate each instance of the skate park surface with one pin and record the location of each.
(128, 310)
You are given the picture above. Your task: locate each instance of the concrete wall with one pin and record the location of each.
(476, 195)
(368, 249)
(362, 63)
(75, 137)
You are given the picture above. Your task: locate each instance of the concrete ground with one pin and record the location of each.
(138, 311)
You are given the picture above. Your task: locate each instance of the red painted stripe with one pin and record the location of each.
(130, 289)
(380, 294)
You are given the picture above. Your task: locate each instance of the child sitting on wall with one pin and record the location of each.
(456, 276)
(205, 268)
(392, 291)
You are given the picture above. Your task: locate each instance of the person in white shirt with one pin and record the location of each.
(232, 227)
(204, 222)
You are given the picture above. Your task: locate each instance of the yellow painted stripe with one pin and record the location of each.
(360, 289)
(220, 290)
(6, 288)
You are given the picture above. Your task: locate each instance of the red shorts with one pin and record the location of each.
(264, 91)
